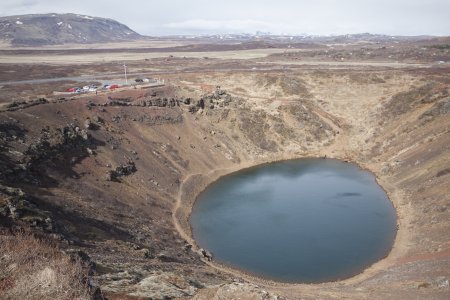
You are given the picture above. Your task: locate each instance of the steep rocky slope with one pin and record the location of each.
(51, 29)
(116, 177)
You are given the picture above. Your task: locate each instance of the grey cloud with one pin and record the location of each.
(228, 26)
(404, 17)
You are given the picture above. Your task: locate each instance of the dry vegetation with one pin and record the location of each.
(34, 268)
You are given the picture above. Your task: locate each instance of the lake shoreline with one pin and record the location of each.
(193, 185)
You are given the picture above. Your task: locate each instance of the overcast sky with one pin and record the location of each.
(165, 17)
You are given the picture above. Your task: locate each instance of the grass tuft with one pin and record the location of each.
(34, 268)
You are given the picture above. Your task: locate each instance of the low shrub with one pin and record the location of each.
(34, 268)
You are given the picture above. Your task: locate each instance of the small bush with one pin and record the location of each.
(34, 268)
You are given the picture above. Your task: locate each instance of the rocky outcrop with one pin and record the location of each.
(17, 105)
(160, 102)
(152, 102)
(254, 126)
(405, 101)
(163, 116)
(119, 103)
(313, 124)
(218, 99)
(205, 254)
(122, 170)
(236, 290)
(17, 206)
(154, 285)
(56, 144)
(440, 108)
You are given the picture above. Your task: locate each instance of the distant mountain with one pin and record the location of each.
(54, 29)
(310, 39)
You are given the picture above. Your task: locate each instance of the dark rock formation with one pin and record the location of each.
(16, 105)
(122, 170)
(119, 103)
(17, 206)
(218, 99)
(55, 144)
(206, 254)
(160, 102)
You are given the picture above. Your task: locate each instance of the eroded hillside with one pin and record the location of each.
(116, 177)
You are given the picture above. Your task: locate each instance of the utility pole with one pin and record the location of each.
(126, 79)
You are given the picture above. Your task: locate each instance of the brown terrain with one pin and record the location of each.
(109, 179)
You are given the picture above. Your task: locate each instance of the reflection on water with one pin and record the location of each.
(309, 220)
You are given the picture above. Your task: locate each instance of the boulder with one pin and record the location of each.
(163, 286)
(236, 290)
(442, 282)
(205, 254)
(122, 170)
(166, 257)
(147, 253)
(98, 120)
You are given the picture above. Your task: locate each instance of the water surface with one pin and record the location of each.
(307, 220)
